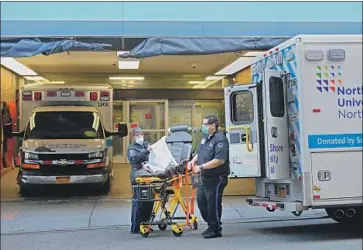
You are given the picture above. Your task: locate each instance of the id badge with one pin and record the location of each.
(203, 141)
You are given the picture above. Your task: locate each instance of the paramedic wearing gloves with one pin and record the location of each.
(212, 162)
(137, 153)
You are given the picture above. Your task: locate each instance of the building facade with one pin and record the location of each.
(168, 95)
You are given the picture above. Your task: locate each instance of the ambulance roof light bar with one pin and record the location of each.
(37, 96)
(27, 96)
(52, 93)
(93, 96)
(79, 94)
(105, 96)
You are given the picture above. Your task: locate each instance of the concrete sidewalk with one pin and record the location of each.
(82, 213)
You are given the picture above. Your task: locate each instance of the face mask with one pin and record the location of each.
(205, 129)
(139, 140)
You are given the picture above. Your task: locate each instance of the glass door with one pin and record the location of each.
(149, 115)
(180, 112)
(119, 115)
(201, 110)
(192, 114)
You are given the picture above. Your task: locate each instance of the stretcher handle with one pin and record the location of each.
(189, 200)
(247, 129)
(187, 194)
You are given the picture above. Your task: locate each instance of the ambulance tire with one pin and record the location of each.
(24, 191)
(105, 188)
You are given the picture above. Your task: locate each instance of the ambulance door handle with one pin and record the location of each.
(274, 132)
(247, 139)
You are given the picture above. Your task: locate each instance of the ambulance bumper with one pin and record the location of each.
(276, 205)
(74, 179)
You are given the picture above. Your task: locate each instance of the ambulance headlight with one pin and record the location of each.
(94, 155)
(31, 156)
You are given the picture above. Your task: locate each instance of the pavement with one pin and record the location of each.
(98, 222)
(84, 220)
(318, 234)
(102, 212)
(82, 208)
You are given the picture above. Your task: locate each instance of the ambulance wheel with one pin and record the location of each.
(163, 226)
(270, 209)
(195, 225)
(178, 234)
(297, 213)
(105, 188)
(24, 191)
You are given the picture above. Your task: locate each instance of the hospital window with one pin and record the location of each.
(277, 106)
(192, 112)
(242, 107)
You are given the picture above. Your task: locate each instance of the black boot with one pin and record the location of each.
(209, 234)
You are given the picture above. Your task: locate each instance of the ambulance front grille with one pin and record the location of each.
(63, 170)
(57, 157)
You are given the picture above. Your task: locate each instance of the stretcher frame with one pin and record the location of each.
(158, 190)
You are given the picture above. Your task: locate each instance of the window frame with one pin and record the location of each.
(232, 108)
(282, 112)
(101, 125)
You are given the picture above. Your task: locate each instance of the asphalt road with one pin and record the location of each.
(323, 234)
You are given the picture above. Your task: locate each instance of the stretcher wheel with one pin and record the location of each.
(270, 209)
(146, 234)
(195, 225)
(178, 234)
(162, 227)
(297, 213)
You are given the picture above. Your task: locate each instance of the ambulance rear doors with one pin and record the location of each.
(242, 125)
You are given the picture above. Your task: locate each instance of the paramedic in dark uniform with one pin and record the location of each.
(137, 153)
(212, 162)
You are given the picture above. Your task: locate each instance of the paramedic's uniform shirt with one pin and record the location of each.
(214, 146)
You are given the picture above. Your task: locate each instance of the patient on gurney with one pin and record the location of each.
(169, 155)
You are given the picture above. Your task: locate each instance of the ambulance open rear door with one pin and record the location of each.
(242, 130)
(276, 125)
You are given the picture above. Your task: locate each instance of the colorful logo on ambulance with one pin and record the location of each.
(348, 100)
(328, 78)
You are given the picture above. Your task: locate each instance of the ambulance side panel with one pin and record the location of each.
(331, 90)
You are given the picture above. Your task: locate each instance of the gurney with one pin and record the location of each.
(160, 186)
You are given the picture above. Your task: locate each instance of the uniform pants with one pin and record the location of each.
(209, 199)
(140, 211)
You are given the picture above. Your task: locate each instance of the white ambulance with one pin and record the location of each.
(66, 134)
(297, 128)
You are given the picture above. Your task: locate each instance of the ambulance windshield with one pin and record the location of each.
(64, 125)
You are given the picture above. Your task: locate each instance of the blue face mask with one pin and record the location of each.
(205, 129)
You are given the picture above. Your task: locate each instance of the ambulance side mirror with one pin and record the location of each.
(18, 134)
(8, 131)
(122, 130)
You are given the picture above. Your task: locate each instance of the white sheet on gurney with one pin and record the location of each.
(160, 157)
